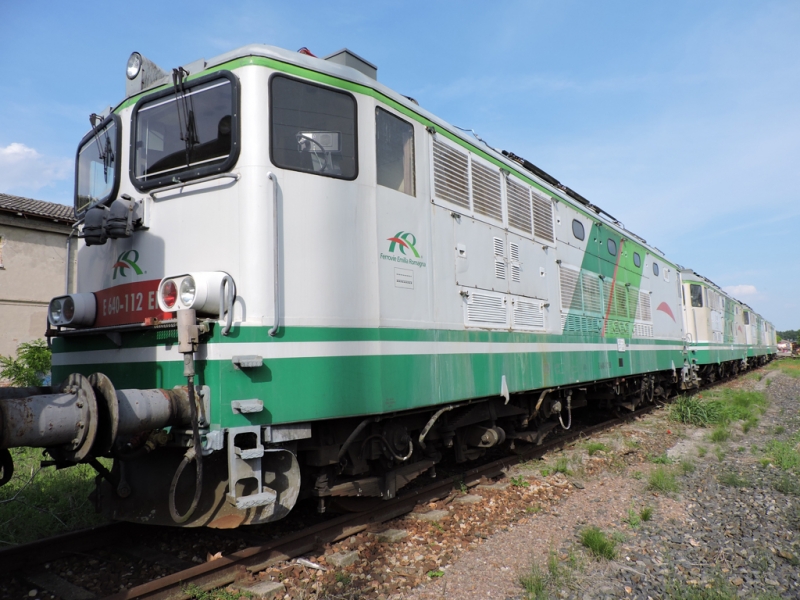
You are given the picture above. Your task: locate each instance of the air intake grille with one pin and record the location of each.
(543, 218)
(486, 309)
(592, 300)
(643, 308)
(528, 314)
(450, 175)
(570, 289)
(519, 206)
(487, 197)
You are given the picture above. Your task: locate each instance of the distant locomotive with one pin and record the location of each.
(295, 282)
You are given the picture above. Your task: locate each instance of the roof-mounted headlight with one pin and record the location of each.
(134, 65)
(72, 310)
(201, 291)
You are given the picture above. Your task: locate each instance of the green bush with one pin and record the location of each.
(594, 447)
(31, 366)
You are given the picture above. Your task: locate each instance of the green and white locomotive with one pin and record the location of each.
(295, 282)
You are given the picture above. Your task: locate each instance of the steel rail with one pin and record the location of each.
(226, 570)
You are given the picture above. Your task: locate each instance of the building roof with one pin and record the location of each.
(36, 208)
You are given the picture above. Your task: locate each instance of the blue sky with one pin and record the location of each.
(682, 119)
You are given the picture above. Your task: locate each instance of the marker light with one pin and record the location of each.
(188, 291)
(201, 291)
(168, 294)
(134, 65)
(73, 310)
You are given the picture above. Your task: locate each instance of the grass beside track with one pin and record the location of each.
(39, 503)
(719, 407)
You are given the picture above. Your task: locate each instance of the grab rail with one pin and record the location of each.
(276, 246)
(179, 184)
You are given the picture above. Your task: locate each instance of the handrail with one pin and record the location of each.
(180, 184)
(227, 294)
(276, 266)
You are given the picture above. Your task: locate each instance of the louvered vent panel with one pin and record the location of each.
(528, 314)
(450, 174)
(513, 252)
(500, 269)
(543, 218)
(498, 246)
(592, 300)
(643, 308)
(642, 330)
(570, 289)
(606, 295)
(621, 301)
(487, 197)
(483, 308)
(519, 206)
(515, 273)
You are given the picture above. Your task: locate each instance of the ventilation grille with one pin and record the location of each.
(499, 246)
(570, 289)
(581, 324)
(450, 174)
(642, 330)
(486, 309)
(487, 197)
(543, 218)
(620, 301)
(500, 269)
(516, 273)
(519, 206)
(528, 314)
(592, 299)
(643, 308)
(513, 252)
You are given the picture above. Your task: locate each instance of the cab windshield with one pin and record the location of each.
(96, 168)
(183, 135)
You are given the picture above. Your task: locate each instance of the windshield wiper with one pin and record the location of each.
(186, 118)
(104, 152)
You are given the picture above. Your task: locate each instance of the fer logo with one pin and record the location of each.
(126, 260)
(404, 240)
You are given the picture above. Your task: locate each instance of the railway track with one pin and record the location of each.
(137, 541)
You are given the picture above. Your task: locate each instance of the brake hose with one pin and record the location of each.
(192, 454)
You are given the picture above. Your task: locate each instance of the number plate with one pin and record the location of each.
(128, 303)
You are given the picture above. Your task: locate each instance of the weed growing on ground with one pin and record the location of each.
(38, 503)
(678, 590)
(646, 513)
(593, 448)
(637, 475)
(784, 454)
(520, 481)
(533, 509)
(195, 592)
(343, 578)
(788, 485)
(662, 459)
(701, 451)
(749, 423)
(598, 543)
(562, 466)
(437, 573)
(545, 471)
(720, 453)
(733, 480)
(720, 408)
(542, 585)
(740, 449)
(779, 430)
(687, 466)
(633, 519)
(662, 480)
(720, 434)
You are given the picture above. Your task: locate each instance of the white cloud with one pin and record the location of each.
(23, 169)
(741, 290)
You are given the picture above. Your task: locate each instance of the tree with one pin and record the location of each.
(30, 367)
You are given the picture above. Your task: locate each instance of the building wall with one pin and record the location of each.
(32, 271)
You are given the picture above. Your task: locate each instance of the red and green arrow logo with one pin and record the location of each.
(403, 240)
(126, 260)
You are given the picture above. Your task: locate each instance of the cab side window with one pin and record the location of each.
(696, 292)
(394, 150)
(313, 128)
